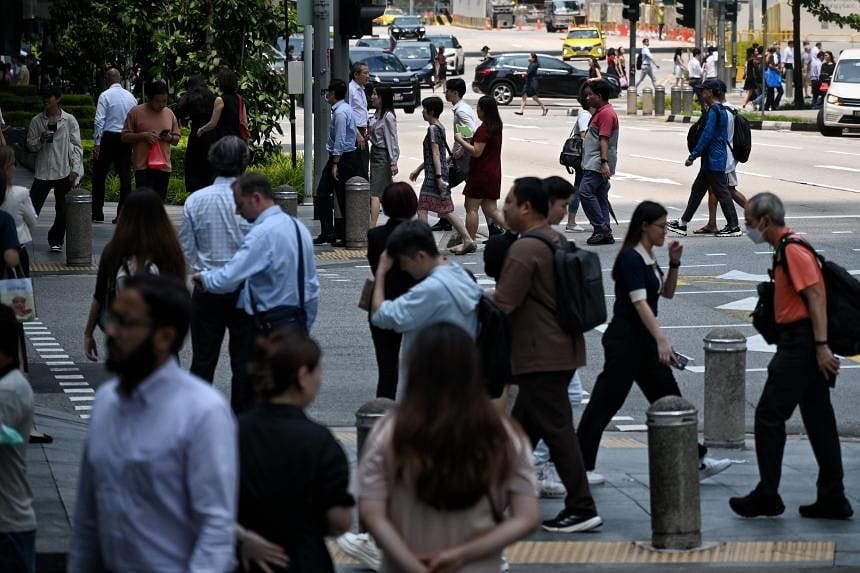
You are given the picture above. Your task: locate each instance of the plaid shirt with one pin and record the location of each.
(211, 232)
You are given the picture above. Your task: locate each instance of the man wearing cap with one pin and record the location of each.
(712, 147)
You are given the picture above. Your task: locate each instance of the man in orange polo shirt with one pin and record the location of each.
(801, 373)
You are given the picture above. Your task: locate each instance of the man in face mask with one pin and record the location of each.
(800, 373)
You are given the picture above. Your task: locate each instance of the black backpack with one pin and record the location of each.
(741, 144)
(639, 60)
(494, 344)
(580, 303)
(695, 132)
(571, 152)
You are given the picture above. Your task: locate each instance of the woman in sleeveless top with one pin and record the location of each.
(225, 118)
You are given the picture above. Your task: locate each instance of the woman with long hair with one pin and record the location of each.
(678, 66)
(144, 241)
(752, 77)
(621, 66)
(635, 348)
(17, 203)
(385, 149)
(484, 182)
(196, 105)
(227, 117)
(594, 72)
(420, 516)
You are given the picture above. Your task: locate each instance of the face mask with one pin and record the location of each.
(755, 235)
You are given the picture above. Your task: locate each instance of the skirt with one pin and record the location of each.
(380, 170)
(431, 200)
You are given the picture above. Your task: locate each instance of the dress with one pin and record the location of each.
(228, 123)
(197, 107)
(485, 172)
(431, 199)
(532, 79)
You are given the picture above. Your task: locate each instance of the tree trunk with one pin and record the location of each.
(798, 64)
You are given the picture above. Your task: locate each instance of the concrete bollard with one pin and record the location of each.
(287, 199)
(647, 101)
(725, 388)
(789, 84)
(357, 212)
(673, 469)
(79, 228)
(365, 417)
(687, 100)
(660, 100)
(676, 100)
(631, 101)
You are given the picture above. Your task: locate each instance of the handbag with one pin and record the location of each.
(243, 121)
(366, 296)
(571, 152)
(622, 81)
(764, 314)
(155, 158)
(284, 316)
(823, 87)
(17, 294)
(456, 175)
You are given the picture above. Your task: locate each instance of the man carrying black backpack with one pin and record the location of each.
(800, 373)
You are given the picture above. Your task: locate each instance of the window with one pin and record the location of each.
(516, 62)
(412, 52)
(582, 34)
(552, 64)
(382, 62)
(848, 72)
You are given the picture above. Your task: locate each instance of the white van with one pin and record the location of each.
(842, 103)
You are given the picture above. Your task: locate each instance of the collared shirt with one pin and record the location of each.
(711, 66)
(694, 68)
(60, 157)
(114, 104)
(647, 58)
(211, 231)
(358, 103)
(159, 479)
(464, 115)
(815, 69)
(788, 55)
(341, 132)
(267, 261)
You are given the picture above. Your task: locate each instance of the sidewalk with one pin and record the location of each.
(787, 543)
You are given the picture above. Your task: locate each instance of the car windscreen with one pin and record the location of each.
(566, 6)
(848, 72)
(381, 62)
(582, 34)
(412, 52)
(445, 42)
(407, 22)
(374, 43)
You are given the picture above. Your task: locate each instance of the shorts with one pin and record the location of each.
(732, 176)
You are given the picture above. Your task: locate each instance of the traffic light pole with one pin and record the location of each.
(340, 57)
(309, 95)
(700, 20)
(721, 39)
(632, 54)
(734, 53)
(322, 77)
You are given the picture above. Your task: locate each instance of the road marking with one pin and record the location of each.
(46, 344)
(673, 208)
(69, 376)
(747, 303)
(86, 408)
(73, 384)
(40, 338)
(81, 398)
(838, 168)
(845, 153)
(622, 419)
(841, 232)
(758, 143)
(532, 141)
(631, 427)
(736, 275)
(751, 174)
(856, 250)
(763, 252)
(714, 291)
(60, 363)
(78, 390)
(695, 326)
(695, 266)
(516, 126)
(715, 254)
(661, 181)
(362, 266)
(658, 159)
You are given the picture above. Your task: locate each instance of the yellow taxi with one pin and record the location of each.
(391, 12)
(584, 42)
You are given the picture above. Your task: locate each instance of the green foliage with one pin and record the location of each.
(822, 11)
(279, 170)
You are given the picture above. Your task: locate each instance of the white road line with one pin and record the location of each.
(60, 363)
(763, 252)
(838, 168)
(841, 232)
(45, 344)
(341, 280)
(85, 408)
(78, 390)
(81, 398)
(673, 208)
(73, 384)
(41, 338)
(64, 369)
(701, 369)
(715, 291)
(622, 419)
(695, 266)
(856, 250)
(85, 416)
(695, 326)
(69, 376)
(776, 145)
(751, 174)
(532, 141)
(715, 254)
(664, 160)
(844, 153)
(631, 427)
(362, 266)
(513, 125)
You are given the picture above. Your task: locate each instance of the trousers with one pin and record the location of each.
(18, 552)
(154, 179)
(594, 197)
(112, 152)
(39, 192)
(386, 344)
(718, 182)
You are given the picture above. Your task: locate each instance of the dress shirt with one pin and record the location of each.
(268, 262)
(211, 231)
(18, 204)
(463, 115)
(711, 66)
(358, 103)
(114, 104)
(815, 69)
(341, 132)
(62, 156)
(694, 68)
(788, 55)
(383, 134)
(647, 58)
(159, 479)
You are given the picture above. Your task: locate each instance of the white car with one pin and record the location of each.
(841, 107)
(453, 52)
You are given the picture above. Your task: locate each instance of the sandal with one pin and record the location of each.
(706, 230)
(545, 111)
(465, 250)
(518, 112)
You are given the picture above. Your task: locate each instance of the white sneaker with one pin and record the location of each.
(362, 548)
(595, 478)
(711, 467)
(505, 565)
(549, 483)
(574, 228)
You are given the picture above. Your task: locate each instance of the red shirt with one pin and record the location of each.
(803, 272)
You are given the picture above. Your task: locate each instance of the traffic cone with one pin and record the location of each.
(539, 25)
(520, 24)
(486, 24)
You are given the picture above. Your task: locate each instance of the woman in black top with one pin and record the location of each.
(636, 349)
(293, 473)
(225, 118)
(531, 88)
(827, 69)
(197, 105)
(399, 204)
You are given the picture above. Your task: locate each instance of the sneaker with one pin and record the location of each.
(728, 232)
(324, 239)
(505, 565)
(493, 230)
(595, 478)
(677, 227)
(601, 239)
(549, 484)
(571, 522)
(362, 548)
(756, 504)
(574, 228)
(441, 225)
(711, 467)
(56, 248)
(826, 509)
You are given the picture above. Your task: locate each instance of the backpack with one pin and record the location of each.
(126, 269)
(494, 344)
(580, 303)
(741, 144)
(571, 151)
(695, 132)
(639, 60)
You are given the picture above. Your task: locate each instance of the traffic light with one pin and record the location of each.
(686, 13)
(630, 10)
(732, 10)
(356, 17)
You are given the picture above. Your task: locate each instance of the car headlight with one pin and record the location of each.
(834, 100)
(428, 67)
(599, 50)
(395, 29)
(421, 29)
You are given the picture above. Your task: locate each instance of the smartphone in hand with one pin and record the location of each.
(680, 361)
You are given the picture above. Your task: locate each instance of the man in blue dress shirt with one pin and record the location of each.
(343, 163)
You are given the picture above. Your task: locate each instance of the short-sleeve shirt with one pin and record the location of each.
(424, 528)
(604, 123)
(292, 471)
(803, 272)
(639, 277)
(142, 118)
(16, 412)
(435, 134)
(485, 172)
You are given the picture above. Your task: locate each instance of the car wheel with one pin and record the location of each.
(827, 131)
(503, 92)
(549, 29)
(409, 109)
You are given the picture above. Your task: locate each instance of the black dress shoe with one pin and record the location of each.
(827, 509)
(571, 522)
(494, 230)
(441, 225)
(99, 219)
(756, 504)
(340, 243)
(324, 239)
(41, 439)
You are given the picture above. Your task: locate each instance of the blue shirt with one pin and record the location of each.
(713, 142)
(159, 479)
(341, 132)
(638, 278)
(113, 105)
(268, 262)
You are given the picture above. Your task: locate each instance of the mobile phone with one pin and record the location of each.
(165, 132)
(680, 361)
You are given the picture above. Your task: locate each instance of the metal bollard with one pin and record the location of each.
(687, 100)
(673, 469)
(287, 199)
(79, 228)
(660, 100)
(789, 84)
(725, 388)
(631, 101)
(647, 101)
(357, 212)
(676, 100)
(365, 417)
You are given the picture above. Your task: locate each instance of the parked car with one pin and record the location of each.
(382, 42)
(556, 79)
(453, 52)
(386, 69)
(418, 57)
(391, 12)
(841, 107)
(406, 27)
(584, 43)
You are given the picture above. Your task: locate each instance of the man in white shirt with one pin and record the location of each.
(648, 64)
(788, 59)
(358, 104)
(694, 70)
(815, 78)
(464, 117)
(710, 67)
(113, 105)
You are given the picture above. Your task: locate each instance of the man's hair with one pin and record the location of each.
(696, 51)
(113, 76)
(52, 91)
(9, 334)
(601, 88)
(356, 68)
(251, 183)
(645, 41)
(768, 204)
(557, 187)
(338, 87)
(456, 84)
(167, 300)
(530, 189)
(409, 238)
(229, 156)
(434, 105)
(158, 87)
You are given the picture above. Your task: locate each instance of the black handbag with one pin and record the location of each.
(764, 314)
(571, 152)
(456, 174)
